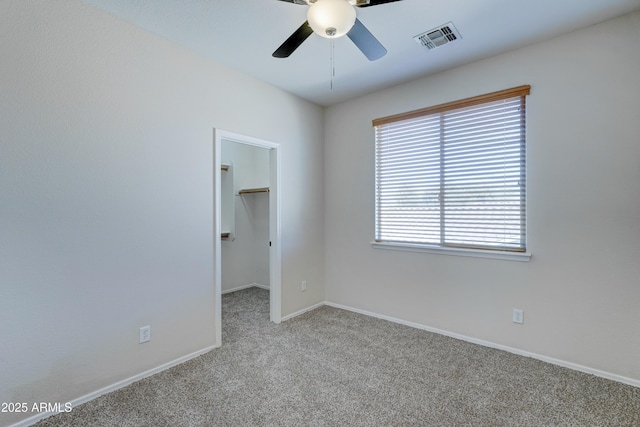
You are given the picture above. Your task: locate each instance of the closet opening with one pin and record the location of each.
(246, 225)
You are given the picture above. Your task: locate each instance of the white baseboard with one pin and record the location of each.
(553, 361)
(303, 311)
(113, 387)
(250, 285)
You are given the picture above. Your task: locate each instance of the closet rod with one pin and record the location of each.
(254, 190)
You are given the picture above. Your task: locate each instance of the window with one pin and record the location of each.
(454, 175)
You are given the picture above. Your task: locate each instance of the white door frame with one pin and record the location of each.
(275, 253)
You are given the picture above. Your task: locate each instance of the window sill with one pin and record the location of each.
(475, 253)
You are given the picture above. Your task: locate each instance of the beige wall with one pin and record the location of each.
(581, 291)
(106, 194)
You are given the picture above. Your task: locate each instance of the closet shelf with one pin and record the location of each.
(254, 190)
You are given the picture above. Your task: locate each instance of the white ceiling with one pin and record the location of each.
(244, 33)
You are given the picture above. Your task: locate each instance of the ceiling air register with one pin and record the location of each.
(438, 36)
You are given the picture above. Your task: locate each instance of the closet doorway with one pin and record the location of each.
(247, 219)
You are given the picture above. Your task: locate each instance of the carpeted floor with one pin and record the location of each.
(331, 367)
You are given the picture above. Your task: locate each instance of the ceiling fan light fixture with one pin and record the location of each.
(331, 18)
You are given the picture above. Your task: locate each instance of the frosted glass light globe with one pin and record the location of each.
(331, 18)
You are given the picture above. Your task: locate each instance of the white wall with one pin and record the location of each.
(106, 194)
(581, 290)
(245, 259)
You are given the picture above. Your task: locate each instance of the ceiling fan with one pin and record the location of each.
(333, 19)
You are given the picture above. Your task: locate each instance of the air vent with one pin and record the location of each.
(439, 36)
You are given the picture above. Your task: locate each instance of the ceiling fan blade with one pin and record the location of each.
(303, 1)
(366, 42)
(294, 41)
(373, 3)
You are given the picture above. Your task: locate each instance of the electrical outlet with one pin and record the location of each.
(518, 316)
(303, 285)
(145, 334)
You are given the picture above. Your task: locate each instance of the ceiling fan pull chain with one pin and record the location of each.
(333, 59)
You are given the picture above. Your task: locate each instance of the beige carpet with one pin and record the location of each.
(331, 367)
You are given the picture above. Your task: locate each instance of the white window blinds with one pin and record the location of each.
(454, 175)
